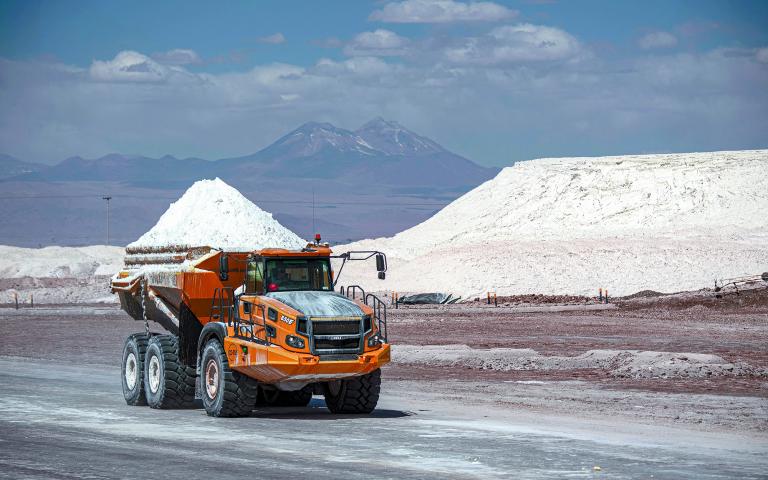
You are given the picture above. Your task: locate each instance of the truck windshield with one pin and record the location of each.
(291, 274)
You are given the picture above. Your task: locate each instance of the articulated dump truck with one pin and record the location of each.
(248, 329)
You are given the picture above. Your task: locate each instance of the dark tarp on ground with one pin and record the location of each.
(427, 298)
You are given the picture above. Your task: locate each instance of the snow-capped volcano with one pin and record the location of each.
(380, 151)
(394, 139)
(314, 137)
(377, 137)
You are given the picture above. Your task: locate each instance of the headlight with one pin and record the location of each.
(294, 341)
(374, 341)
(301, 324)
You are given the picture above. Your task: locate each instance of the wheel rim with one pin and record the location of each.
(131, 371)
(211, 379)
(154, 374)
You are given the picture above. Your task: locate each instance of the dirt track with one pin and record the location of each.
(737, 334)
(583, 417)
(734, 328)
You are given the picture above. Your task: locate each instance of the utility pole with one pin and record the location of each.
(107, 199)
(313, 211)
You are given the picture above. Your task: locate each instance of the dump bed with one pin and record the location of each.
(158, 283)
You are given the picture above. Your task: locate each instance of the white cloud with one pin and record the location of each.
(178, 56)
(518, 94)
(275, 72)
(129, 66)
(516, 44)
(762, 55)
(274, 39)
(356, 66)
(657, 40)
(441, 11)
(380, 42)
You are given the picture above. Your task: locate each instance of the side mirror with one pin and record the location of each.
(381, 264)
(382, 275)
(223, 267)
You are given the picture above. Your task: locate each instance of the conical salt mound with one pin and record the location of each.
(214, 214)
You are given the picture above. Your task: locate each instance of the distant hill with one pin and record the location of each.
(11, 167)
(124, 168)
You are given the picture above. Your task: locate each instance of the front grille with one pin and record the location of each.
(336, 327)
(326, 344)
(334, 337)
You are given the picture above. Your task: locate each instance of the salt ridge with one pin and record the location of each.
(570, 225)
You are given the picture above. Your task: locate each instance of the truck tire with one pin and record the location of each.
(133, 369)
(278, 398)
(226, 393)
(168, 383)
(354, 395)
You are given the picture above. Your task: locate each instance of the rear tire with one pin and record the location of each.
(226, 393)
(168, 383)
(133, 369)
(354, 395)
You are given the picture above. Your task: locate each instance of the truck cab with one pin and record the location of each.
(304, 313)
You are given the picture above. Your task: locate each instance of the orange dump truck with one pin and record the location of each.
(250, 328)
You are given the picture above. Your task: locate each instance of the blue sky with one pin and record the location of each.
(494, 81)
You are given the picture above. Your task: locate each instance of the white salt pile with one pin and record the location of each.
(214, 214)
(60, 262)
(570, 225)
(58, 274)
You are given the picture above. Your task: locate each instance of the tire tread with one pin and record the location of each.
(239, 391)
(357, 394)
(179, 389)
(141, 340)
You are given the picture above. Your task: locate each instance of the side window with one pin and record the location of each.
(320, 276)
(255, 276)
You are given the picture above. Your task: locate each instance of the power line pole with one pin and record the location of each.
(313, 211)
(107, 199)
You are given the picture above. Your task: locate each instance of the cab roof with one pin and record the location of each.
(311, 250)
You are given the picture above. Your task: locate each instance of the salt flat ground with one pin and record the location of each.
(62, 414)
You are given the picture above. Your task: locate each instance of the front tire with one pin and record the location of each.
(168, 383)
(279, 398)
(226, 393)
(354, 395)
(133, 369)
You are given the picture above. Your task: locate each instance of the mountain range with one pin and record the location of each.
(382, 152)
(374, 181)
(12, 167)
